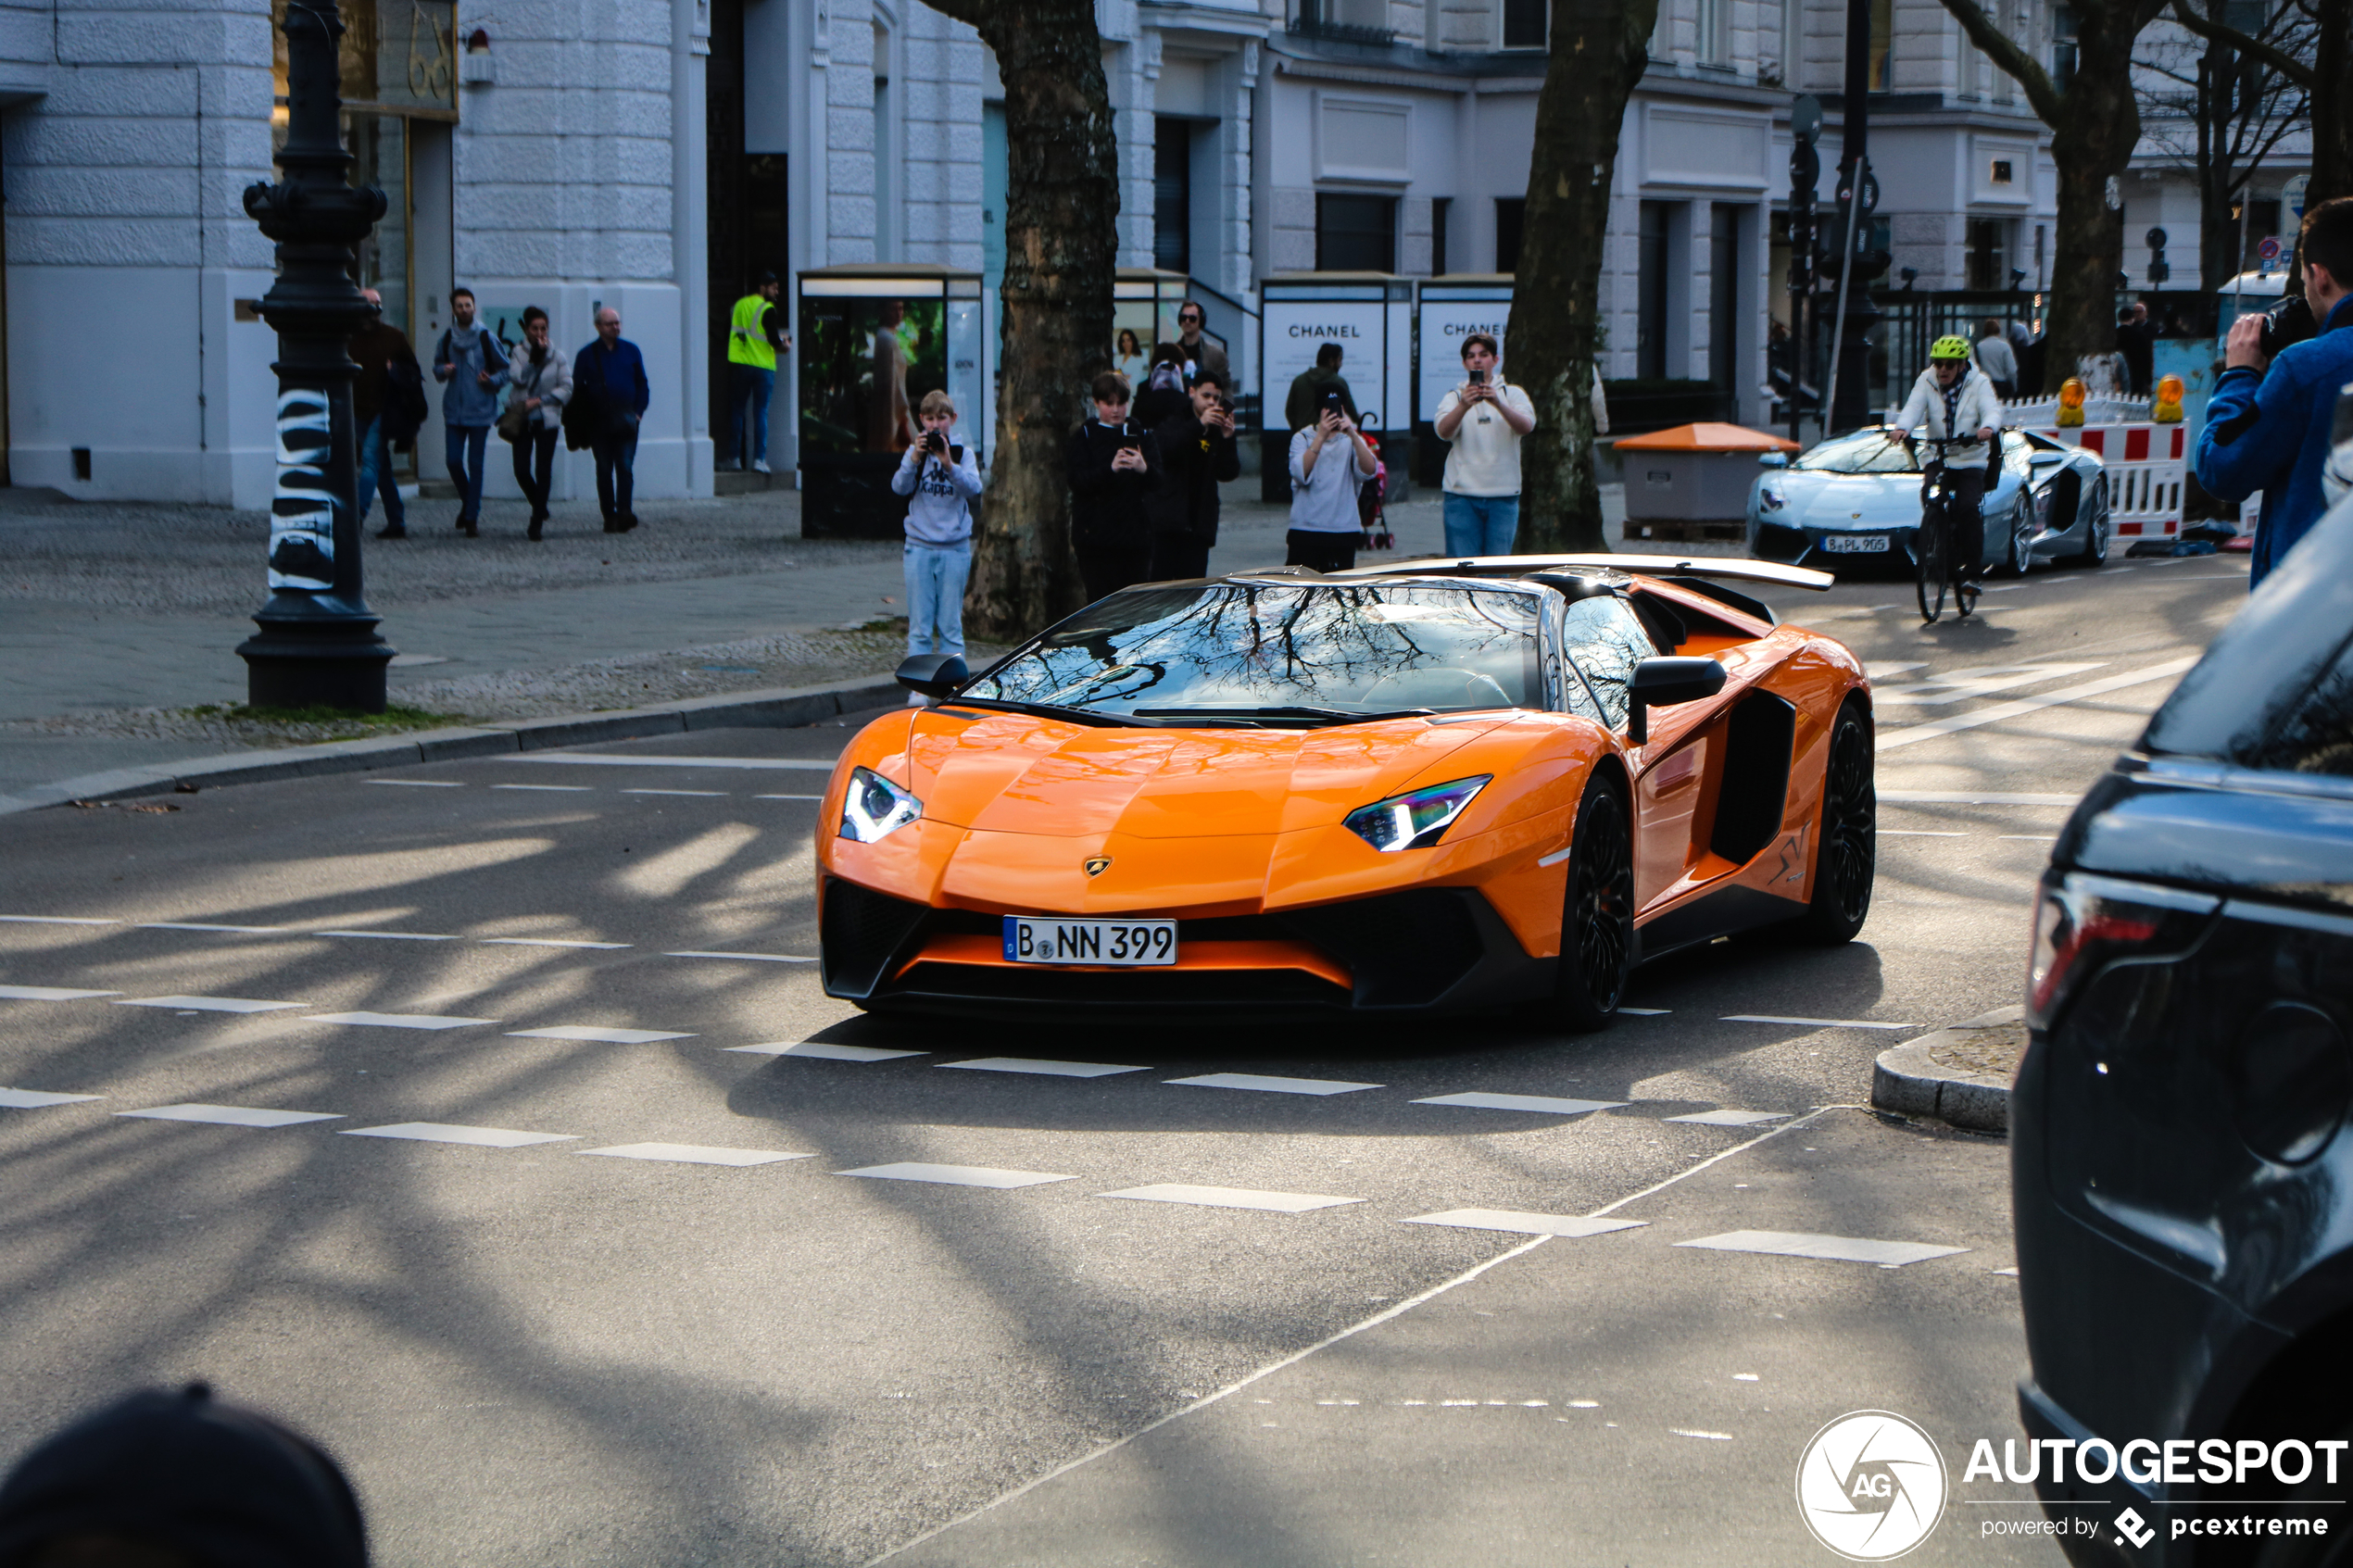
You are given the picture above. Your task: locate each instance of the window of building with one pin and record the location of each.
(1649, 320)
(1989, 253)
(1524, 23)
(1715, 41)
(2062, 46)
(1723, 294)
(1355, 233)
(1172, 195)
(1440, 210)
(1882, 44)
(1511, 214)
(1662, 45)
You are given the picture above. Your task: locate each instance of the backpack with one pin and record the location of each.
(404, 406)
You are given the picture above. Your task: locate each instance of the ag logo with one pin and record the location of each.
(1870, 1486)
(1098, 864)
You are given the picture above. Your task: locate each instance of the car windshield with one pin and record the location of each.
(1282, 652)
(1867, 452)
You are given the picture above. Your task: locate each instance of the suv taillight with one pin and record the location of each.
(2082, 922)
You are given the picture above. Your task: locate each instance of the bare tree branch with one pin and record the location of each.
(2009, 58)
(2254, 48)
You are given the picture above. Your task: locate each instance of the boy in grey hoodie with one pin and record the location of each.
(941, 480)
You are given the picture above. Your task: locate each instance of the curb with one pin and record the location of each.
(1910, 1082)
(775, 708)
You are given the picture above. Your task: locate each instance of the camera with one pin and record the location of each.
(2286, 325)
(936, 442)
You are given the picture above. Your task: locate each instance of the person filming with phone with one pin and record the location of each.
(1330, 460)
(1196, 444)
(1484, 417)
(1114, 465)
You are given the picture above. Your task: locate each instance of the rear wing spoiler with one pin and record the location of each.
(1727, 567)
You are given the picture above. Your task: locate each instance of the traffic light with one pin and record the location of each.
(1871, 262)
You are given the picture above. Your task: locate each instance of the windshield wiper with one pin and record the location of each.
(1043, 710)
(1295, 714)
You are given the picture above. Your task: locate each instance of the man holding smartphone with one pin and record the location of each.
(1330, 460)
(1197, 445)
(1114, 465)
(1484, 418)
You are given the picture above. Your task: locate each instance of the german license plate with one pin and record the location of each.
(1125, 943)
(1854, 543)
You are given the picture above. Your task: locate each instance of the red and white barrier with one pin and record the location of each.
(2148, 472)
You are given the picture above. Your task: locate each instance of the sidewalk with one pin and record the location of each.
(119, 619)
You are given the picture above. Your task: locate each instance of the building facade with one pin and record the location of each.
(658, 155)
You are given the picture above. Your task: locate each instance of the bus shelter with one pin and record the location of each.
(1451, 308)
(1370, 316)
(872, 340)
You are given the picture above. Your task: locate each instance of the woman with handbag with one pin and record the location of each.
(540, 374)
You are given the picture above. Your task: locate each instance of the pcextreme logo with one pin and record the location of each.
(1870, 1486)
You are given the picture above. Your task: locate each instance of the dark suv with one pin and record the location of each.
(2182, 1183)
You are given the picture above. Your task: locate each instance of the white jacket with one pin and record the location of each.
(1978, 409)
(1484, 459)
(552, 387)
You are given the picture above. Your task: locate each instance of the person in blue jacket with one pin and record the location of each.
(2268, 430)
(609, 393)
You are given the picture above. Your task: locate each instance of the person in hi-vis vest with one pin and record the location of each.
(755, 334)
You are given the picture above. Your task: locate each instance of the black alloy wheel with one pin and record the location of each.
(1846, 845)
(1597, 925)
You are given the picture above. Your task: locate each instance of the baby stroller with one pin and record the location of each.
(1370, 499)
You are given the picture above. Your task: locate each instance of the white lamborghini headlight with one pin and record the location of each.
(876, 808)
(1416, 820)
(1769, 498)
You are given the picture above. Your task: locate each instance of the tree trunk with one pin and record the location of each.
(1598, 50)
(2100, 127)
(2332, 106)
(1062, 206)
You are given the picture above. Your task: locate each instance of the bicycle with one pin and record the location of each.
(1932, 568)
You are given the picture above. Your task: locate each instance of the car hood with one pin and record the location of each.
(1832, 500)
(1017, 774)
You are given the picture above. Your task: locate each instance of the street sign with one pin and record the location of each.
(2157, 238)
(2292, 194)
(1806, 118)
(2268, 249)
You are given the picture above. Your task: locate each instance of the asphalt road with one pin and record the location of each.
(528, 1355)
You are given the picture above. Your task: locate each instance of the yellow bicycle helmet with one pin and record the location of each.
(1949, 346)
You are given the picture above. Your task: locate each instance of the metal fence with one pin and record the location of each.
(1915, 320)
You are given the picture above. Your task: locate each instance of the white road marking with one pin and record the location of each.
(613, 759)
(1558, 855)
(2011, 1271)
(587, 1032)
(824, 1051)
(788, 797)
(1891, 739)
(704, 792)
(695, 1154)
(48, 993)
(1917, 832)
(38, 1099)
(232, 1115)
(552, 789)
(418, 783)
(187, 925)
(548, 942)
(390, 936)
(1525, 1224)
(442, 1132)
(1693, 1432)
(1731, 1118)
(1971, 797)
(1839, 1249)
(1544, 1104)
(1050, 1069)
(397, 1020)
(54, 920)
(955, 1175)
(1889, 671)
(2033, 837)
(753, 958)
(1746, 1377)
(1643, 1012)
(1232, 1198)
(1983, 680)
(1273, 1086)
(1816, 1023)
(208, 1004)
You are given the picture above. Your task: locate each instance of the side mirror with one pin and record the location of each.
(937, 674)
(1773, 460)
(1662, 683)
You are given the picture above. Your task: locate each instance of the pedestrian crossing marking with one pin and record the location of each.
(232, 1115)
(955, 1175)
(1273, 1086)
(1232, 1198)
(1525, 1224)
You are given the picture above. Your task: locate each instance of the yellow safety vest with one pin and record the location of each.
(747, 344)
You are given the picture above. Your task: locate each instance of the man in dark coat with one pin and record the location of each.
(610, 397)
(1305, 403)
(378, 411)
(1197, 451)
(1114, 465)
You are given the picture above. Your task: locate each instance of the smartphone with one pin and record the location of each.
(1478, 378)
(1332, 403)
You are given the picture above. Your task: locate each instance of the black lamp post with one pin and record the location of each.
(318, 642)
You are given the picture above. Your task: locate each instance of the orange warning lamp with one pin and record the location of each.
(2168, 408)
(2070, 411)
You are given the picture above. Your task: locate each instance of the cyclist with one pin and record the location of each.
(1958, 403)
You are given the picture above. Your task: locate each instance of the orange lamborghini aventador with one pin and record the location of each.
(1452, 786)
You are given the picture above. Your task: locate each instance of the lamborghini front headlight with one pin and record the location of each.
(876, 808)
